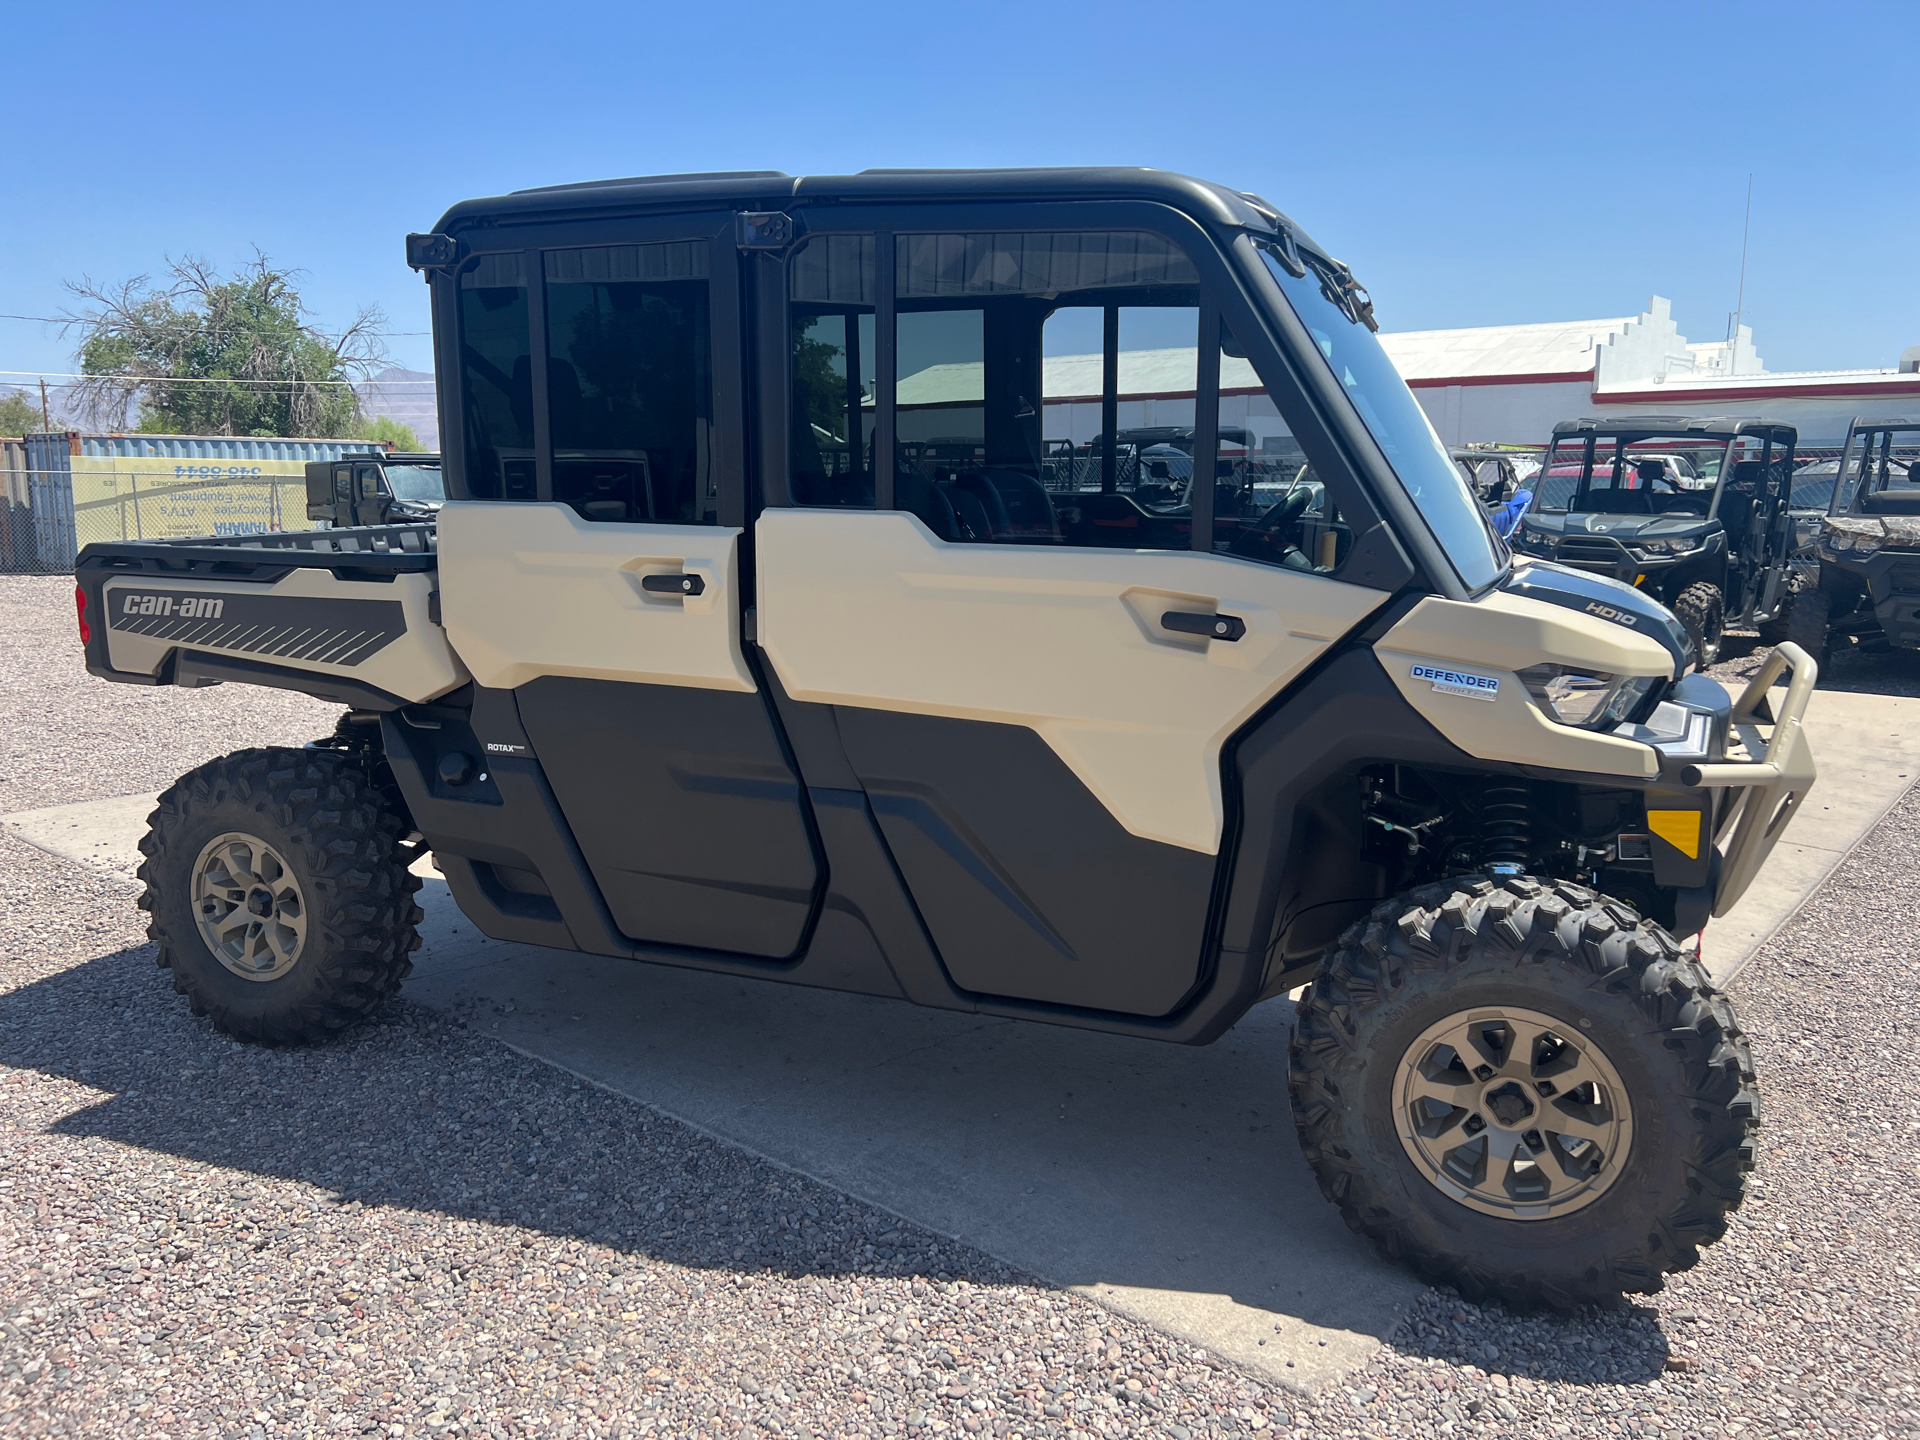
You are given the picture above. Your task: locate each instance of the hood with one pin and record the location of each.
(1625, 528)
(1604, 599)
(1902, 532)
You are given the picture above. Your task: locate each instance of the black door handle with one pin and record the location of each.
(1213, 627)
(672, 584)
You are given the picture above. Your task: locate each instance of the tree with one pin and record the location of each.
(385, 430)
(20, 414)
(207, 354)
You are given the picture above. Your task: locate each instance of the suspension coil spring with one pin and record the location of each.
(1506, 826)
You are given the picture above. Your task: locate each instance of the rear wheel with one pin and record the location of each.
(1808, 619)
(279, 893)
(1523, 1089)
(1703, 610)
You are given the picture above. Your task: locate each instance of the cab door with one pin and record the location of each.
(604, 381)
(1034, 662)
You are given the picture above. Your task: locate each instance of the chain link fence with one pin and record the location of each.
(64, 512)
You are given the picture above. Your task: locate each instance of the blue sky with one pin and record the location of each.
(1476, 164)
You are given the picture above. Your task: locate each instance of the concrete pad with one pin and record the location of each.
(1867, 748)
(1161, 1181)
(105, 833)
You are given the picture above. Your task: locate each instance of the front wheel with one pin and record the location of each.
(279, 893)
(1703, 610)
(1524, 1090)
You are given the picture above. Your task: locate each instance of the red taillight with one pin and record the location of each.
(80, 603)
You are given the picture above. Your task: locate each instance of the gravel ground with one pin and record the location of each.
(65, 736)
(1886, 672)
(417, 1231)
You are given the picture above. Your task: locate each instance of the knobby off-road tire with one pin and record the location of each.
(1703, 610)
(291, 863)
(1620, 990)
(1808, 620)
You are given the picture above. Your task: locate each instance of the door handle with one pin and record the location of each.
(1211, 627)
(672, 584)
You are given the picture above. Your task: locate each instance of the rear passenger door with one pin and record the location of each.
(593, 571)
(1035, 648)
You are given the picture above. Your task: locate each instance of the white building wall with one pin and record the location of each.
(1506, 414)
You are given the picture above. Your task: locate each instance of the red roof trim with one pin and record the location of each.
(1787, 390)
(1564, 377)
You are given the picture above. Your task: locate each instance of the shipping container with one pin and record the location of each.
(84, 488)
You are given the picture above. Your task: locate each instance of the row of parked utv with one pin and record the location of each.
(1718, 520)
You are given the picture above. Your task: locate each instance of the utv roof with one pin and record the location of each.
(1865, 422)
(775, 190)
(1722, 425)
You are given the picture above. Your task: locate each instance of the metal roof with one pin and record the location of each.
(772, 190)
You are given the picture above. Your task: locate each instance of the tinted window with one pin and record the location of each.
(629, 384)
(496, 380)
(999, 388)
(830, 450)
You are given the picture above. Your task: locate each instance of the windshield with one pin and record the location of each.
(420, 484)
(1398, 425)
(1632, 475)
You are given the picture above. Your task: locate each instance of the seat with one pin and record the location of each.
(1016, 506)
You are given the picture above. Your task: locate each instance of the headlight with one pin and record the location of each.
(1664, 545)
(1853, 542)
(1591, 699)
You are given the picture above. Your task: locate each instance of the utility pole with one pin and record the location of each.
(46, 419)
(1740, 304)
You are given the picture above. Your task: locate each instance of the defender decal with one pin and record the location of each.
(1459, 682)
(317, 630)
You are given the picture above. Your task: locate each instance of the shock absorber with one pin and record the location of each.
(1506, 828)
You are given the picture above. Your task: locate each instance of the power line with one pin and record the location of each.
(208, 379)
(81, 320)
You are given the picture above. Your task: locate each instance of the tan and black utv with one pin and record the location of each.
(786, 620)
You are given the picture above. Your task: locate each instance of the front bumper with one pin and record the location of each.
(1753, 799)
(1601, 555)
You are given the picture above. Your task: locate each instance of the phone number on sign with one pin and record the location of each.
(214, 472)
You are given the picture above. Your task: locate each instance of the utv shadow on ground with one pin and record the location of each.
(1164, 1180)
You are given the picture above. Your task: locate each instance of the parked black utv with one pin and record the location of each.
(1697, 512)
(1868, 592)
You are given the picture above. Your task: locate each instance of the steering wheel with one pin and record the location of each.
(1266, 529)
(1286, 512)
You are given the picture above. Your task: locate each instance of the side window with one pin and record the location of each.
(832, 369)
(496, 379)
(629, 383)
(1005, 384)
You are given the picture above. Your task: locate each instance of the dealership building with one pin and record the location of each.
(1514, 382)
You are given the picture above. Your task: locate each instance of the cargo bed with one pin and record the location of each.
(351, 616)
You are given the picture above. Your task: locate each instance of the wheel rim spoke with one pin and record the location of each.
(250, 907)
(1513, 1113)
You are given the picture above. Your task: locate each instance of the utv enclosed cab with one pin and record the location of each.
(1696, 512)
(380, 488)
(1868, 592)
(765, 633)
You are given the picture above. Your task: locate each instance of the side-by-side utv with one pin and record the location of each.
(1868, 593)
(1694, 512)
(760, 635)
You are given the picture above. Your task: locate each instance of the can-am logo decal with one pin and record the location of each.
(190, 607)
(1459, 682)
(1607, 612)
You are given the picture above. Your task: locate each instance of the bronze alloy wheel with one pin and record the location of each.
(248, 906)
(1513, 1113)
